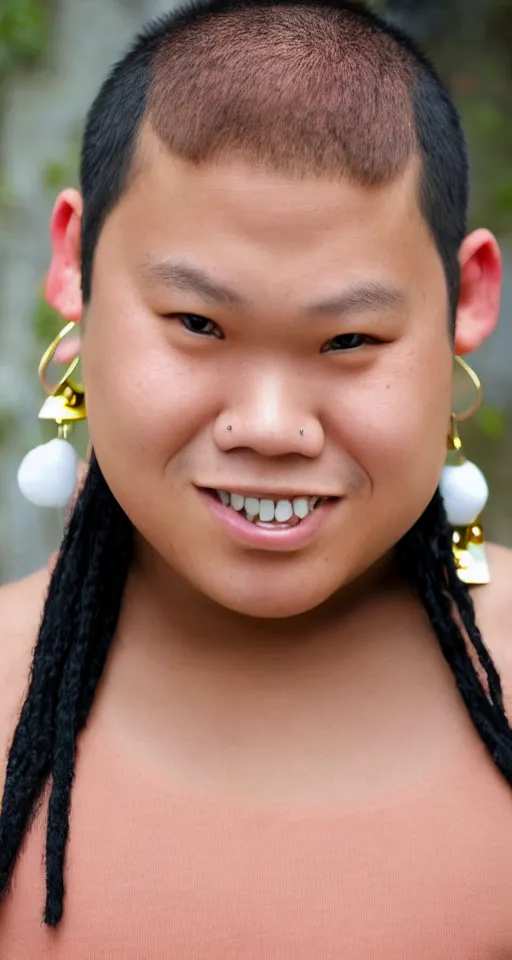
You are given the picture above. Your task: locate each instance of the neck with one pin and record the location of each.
(170, 637)
(206, 693)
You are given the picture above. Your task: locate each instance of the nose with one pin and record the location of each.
(272, 416)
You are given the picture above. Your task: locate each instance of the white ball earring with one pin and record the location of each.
(465, 492)
(48, 474)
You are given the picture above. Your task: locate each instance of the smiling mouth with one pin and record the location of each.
(266, 512)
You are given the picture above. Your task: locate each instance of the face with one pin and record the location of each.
(273, 339)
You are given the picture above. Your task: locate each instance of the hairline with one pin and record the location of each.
(140, 161)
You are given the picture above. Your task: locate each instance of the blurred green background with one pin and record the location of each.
(53, 54)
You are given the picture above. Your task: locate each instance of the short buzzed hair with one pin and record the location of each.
(319, 88)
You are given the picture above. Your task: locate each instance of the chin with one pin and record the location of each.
(277, 603)
(271, 608)
(277, 587)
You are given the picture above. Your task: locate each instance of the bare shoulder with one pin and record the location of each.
(500, 559)
(493, 606)
(21, 607)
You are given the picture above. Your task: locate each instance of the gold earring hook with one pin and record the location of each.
(475, 379)
(66, 401)
(47, 358)
(454, 439)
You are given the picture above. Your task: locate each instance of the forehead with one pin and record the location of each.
(236, 213)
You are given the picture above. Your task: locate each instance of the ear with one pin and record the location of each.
(480, 291)
(64, 280)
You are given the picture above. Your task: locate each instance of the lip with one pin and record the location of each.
(275, 493)
(266, 538)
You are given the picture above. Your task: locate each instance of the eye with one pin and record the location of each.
(199, 325)
(347, 341)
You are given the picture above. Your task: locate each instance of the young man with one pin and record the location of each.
(259, 697)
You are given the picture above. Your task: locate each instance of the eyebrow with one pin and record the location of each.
(370, 295)
(182, 276)
(367, 295)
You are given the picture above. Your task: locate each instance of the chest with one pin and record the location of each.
(152, 874)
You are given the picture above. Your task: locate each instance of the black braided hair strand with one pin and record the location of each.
(79, 620)
(428, 562)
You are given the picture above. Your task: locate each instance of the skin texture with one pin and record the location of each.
(214, 634)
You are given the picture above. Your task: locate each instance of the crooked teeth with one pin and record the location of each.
(266, 510)
(252, 507)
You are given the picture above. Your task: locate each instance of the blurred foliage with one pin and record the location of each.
(24, 32)
(63, 171)
(7, 426)
(24, 35)
(8, 199)
(490, 422)
(54, 175)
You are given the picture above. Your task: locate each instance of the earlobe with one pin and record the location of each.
(64, 280)
(480, 291)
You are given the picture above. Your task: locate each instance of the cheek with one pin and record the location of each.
(409, 439)
(145, 401)
(394, 422)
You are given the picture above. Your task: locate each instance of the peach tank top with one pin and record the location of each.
(155, 872)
